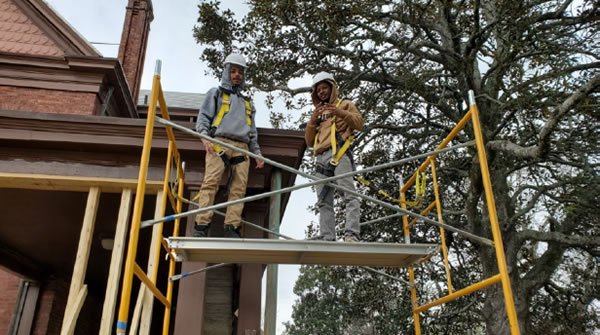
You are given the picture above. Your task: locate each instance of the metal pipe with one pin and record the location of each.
(306, 175)
(189, 273)
(471, 236)
(241, 220)
(387, 275)
(362, 224)
(316, 180)
(157, 67)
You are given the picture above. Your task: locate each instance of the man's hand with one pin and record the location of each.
(314, 117)
(329, 108)
(259, 163)
(208, 147)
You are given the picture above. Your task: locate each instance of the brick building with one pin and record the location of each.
(72, 120)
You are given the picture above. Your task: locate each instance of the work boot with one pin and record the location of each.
(230, 231)
(200, 230)
(351, 237)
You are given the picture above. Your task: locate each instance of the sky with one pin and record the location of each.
(171, 41)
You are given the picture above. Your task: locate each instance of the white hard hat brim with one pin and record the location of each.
(323, 76)
(236, 59)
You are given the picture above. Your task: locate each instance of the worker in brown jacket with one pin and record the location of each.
(330, 132)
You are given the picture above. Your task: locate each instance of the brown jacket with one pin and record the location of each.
(346, 122)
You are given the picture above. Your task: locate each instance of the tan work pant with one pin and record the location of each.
(213, 173)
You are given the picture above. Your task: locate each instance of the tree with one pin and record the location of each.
(534, 67)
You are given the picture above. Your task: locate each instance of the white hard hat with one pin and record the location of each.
(236, 59)
(319, 77)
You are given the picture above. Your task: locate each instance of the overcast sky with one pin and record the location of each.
(171, 41)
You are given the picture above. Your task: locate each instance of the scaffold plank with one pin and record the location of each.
(265, 251)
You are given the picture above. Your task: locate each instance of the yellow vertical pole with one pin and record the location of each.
(411, 271)
(156, 245)
(491, 204)
(180, 190)
(438, 205)
(137, 208)
(413, 296)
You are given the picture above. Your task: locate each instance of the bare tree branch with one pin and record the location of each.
(558, 237)
(536, 151)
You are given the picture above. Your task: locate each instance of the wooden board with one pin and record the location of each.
(72, 183)
(265, 251)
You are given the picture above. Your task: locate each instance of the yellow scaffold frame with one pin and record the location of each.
(502, 276)
(149, 280)
(131, 267)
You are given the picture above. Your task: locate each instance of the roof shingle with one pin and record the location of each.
(175, 99)
(18, 34)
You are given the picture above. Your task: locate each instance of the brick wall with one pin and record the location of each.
(134, 40)
(9, 286)
(50, 307)
(48, 101)
(51, 304)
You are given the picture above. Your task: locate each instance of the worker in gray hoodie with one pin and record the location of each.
(228, 116)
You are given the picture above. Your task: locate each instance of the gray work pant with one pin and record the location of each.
(325, 201)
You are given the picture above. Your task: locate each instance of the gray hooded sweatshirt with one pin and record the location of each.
(234, 125)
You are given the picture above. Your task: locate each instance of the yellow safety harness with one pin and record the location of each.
(228, 161)
(337, 154)
(219, 118)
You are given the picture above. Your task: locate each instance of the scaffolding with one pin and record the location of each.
(289, 251)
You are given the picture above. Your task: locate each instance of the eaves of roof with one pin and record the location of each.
(69, 73)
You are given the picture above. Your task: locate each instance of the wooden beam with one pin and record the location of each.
(83, 253)
(116, 263)
(152, 270)
(137, 311)
(72, 313)
(72, 183)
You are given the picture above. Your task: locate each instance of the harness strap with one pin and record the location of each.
(335, 161)
(225, 107)
(337, 154)
(229, 163)
(248, 112)
(333, 132)
(218, 150)
(327, 171)
(222, 111)
(332, 135)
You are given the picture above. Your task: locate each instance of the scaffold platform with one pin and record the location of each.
(264, 251)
